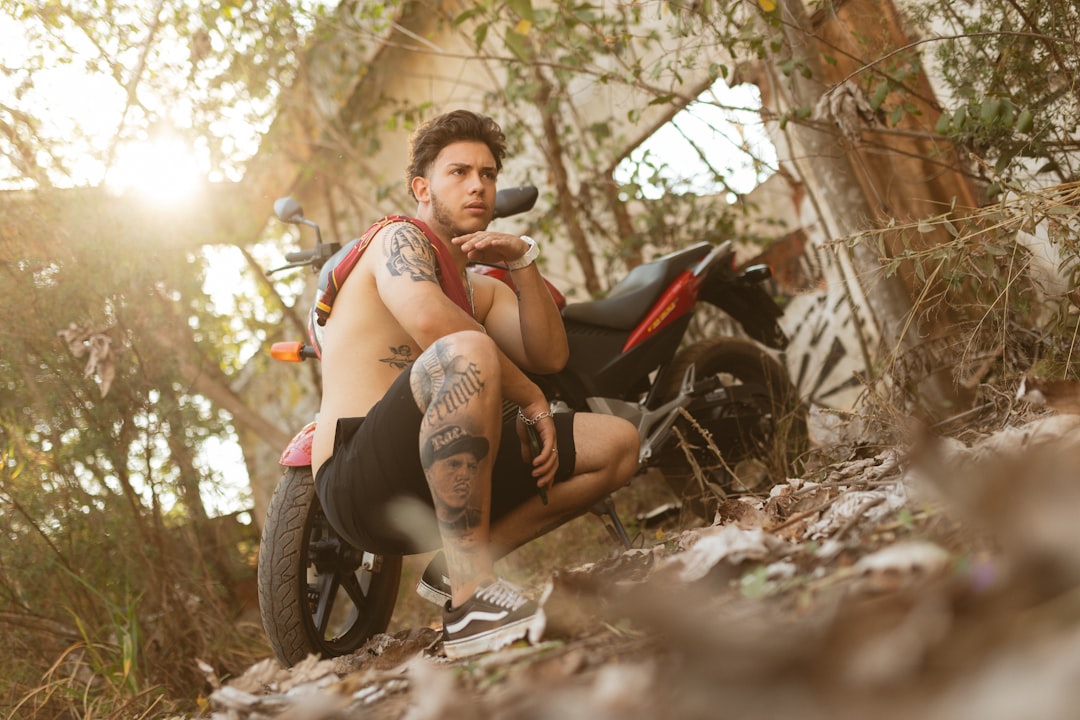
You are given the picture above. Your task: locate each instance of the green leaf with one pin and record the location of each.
(662, 100)
(465, 16)
(515, 42)
(989, 110)
(959, 117)
(880, 93)
(1025, 120)
(943, 125)
(1008, 113)
(1003, 162)
(522, 8)
(480, 34)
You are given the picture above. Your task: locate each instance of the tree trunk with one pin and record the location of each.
(826, 163)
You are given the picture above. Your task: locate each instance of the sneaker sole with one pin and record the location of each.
(431, 594)
(531, 627)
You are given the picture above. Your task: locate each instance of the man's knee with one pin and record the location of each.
(472, 344)
(467, 360)
(629, 446)
(620, 447)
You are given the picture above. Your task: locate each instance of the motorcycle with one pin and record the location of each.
(701, 411)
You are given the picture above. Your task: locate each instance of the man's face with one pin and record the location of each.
(459, 193)
(453, 478)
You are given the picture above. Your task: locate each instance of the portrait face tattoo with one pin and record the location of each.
(451, 458)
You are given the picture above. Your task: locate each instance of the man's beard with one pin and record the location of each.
(441, 215)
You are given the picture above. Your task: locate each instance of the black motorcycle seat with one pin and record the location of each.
(626, 304)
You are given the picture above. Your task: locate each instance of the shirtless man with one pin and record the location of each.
(418, 357)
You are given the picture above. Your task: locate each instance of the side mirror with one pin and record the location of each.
(515, 200)
(288, 210)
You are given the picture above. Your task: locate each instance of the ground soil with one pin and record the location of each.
(903, 574)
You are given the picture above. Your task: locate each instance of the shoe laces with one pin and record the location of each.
(502, 593)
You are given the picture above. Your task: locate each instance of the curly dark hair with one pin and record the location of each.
(431, 137)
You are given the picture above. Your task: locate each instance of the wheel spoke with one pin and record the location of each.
(326, 586)
(351, 585)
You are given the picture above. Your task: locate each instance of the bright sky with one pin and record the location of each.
(721, 124)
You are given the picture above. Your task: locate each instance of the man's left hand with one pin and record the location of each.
(491, 247)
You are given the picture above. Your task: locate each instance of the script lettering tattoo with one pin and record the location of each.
(444, 383)
(410, 255)
(400, 357)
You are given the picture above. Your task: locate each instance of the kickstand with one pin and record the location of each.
(605, 510)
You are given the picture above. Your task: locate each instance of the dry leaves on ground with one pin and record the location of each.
(938, 580)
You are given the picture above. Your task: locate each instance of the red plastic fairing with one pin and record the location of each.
(676, 301)
(298, 452)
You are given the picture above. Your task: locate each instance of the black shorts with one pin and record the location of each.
(376, 462)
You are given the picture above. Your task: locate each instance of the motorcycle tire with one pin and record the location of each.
(762, 422)
(317, 593)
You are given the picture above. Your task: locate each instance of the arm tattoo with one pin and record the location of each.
(444, 383)
(400, 357)
(411, 255)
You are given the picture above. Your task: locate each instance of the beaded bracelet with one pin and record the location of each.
(539, 416)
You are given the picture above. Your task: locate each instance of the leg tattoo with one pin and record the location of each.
(444, 383)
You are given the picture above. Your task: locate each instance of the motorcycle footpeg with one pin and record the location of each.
(705, 386)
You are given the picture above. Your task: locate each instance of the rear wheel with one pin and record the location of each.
(740, 438)
(317, 593)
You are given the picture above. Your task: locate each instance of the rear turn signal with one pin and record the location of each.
(757, 273)
(287, 351)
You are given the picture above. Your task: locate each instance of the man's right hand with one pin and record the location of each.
(537, 417)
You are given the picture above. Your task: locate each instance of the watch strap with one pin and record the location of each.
(528, 258)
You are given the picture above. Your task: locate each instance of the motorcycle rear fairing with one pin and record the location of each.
(298, 452)
(749, 305)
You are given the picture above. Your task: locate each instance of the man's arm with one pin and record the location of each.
(405, 275)
(529, 327)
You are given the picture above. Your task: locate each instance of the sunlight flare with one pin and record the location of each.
(162, 170)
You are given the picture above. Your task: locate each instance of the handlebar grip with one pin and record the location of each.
(301, 256)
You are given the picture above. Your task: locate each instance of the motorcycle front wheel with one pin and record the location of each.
(741, 438)
(317, 593)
